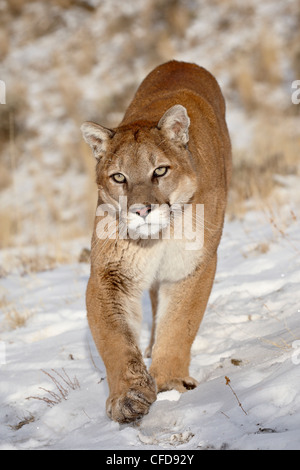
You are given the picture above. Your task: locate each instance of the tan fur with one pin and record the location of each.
(176, 119)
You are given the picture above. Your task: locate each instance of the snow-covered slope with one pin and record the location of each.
(246, 357)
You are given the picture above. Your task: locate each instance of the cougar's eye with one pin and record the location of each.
(161, 171)
(118, 178)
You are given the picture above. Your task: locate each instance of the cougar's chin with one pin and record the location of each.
(150, 226)
(149, 230)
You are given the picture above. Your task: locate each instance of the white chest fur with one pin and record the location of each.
(168, 261)
(177, 262)
(165, 261)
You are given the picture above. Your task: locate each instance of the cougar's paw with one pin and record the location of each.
(132, 404)
(148, 352)
(181, 384)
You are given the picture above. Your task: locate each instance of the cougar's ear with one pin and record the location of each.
(175, 124)
(97, 137)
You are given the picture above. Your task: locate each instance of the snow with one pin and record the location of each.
(250, 335)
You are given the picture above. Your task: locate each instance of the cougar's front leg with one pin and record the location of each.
(131, 389)
(180, 311)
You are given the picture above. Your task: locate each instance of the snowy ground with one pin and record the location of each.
(249, 335)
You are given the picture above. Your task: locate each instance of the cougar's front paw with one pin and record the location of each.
(181, 384)
(131, 404)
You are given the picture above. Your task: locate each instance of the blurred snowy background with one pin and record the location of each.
(66, 61)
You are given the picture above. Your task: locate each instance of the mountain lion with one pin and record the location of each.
(170, 155)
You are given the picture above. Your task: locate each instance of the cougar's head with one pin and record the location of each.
(143, 169)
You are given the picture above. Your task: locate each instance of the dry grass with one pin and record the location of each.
(23, 422)
(275, 151)
(29, 264)
(17, 319)
(16, 109)
(13, 317)
(63, 385)
(8, 229)
(267, 63)
(4, 45)
(244, 83)
(280, 228)
(228, 381)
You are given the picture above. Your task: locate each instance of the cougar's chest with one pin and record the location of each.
(167, 261)
(177, 262)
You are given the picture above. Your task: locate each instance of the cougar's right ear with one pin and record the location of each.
(97, 137)
(175, 124)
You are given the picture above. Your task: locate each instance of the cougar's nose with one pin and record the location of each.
(141, 210)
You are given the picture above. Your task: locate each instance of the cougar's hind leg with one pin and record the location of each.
(154, 304)
(184, 305)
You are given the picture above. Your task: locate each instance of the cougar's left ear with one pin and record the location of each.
(97, 137)
(175, 124)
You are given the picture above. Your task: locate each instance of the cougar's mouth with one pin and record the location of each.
(147, 222)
